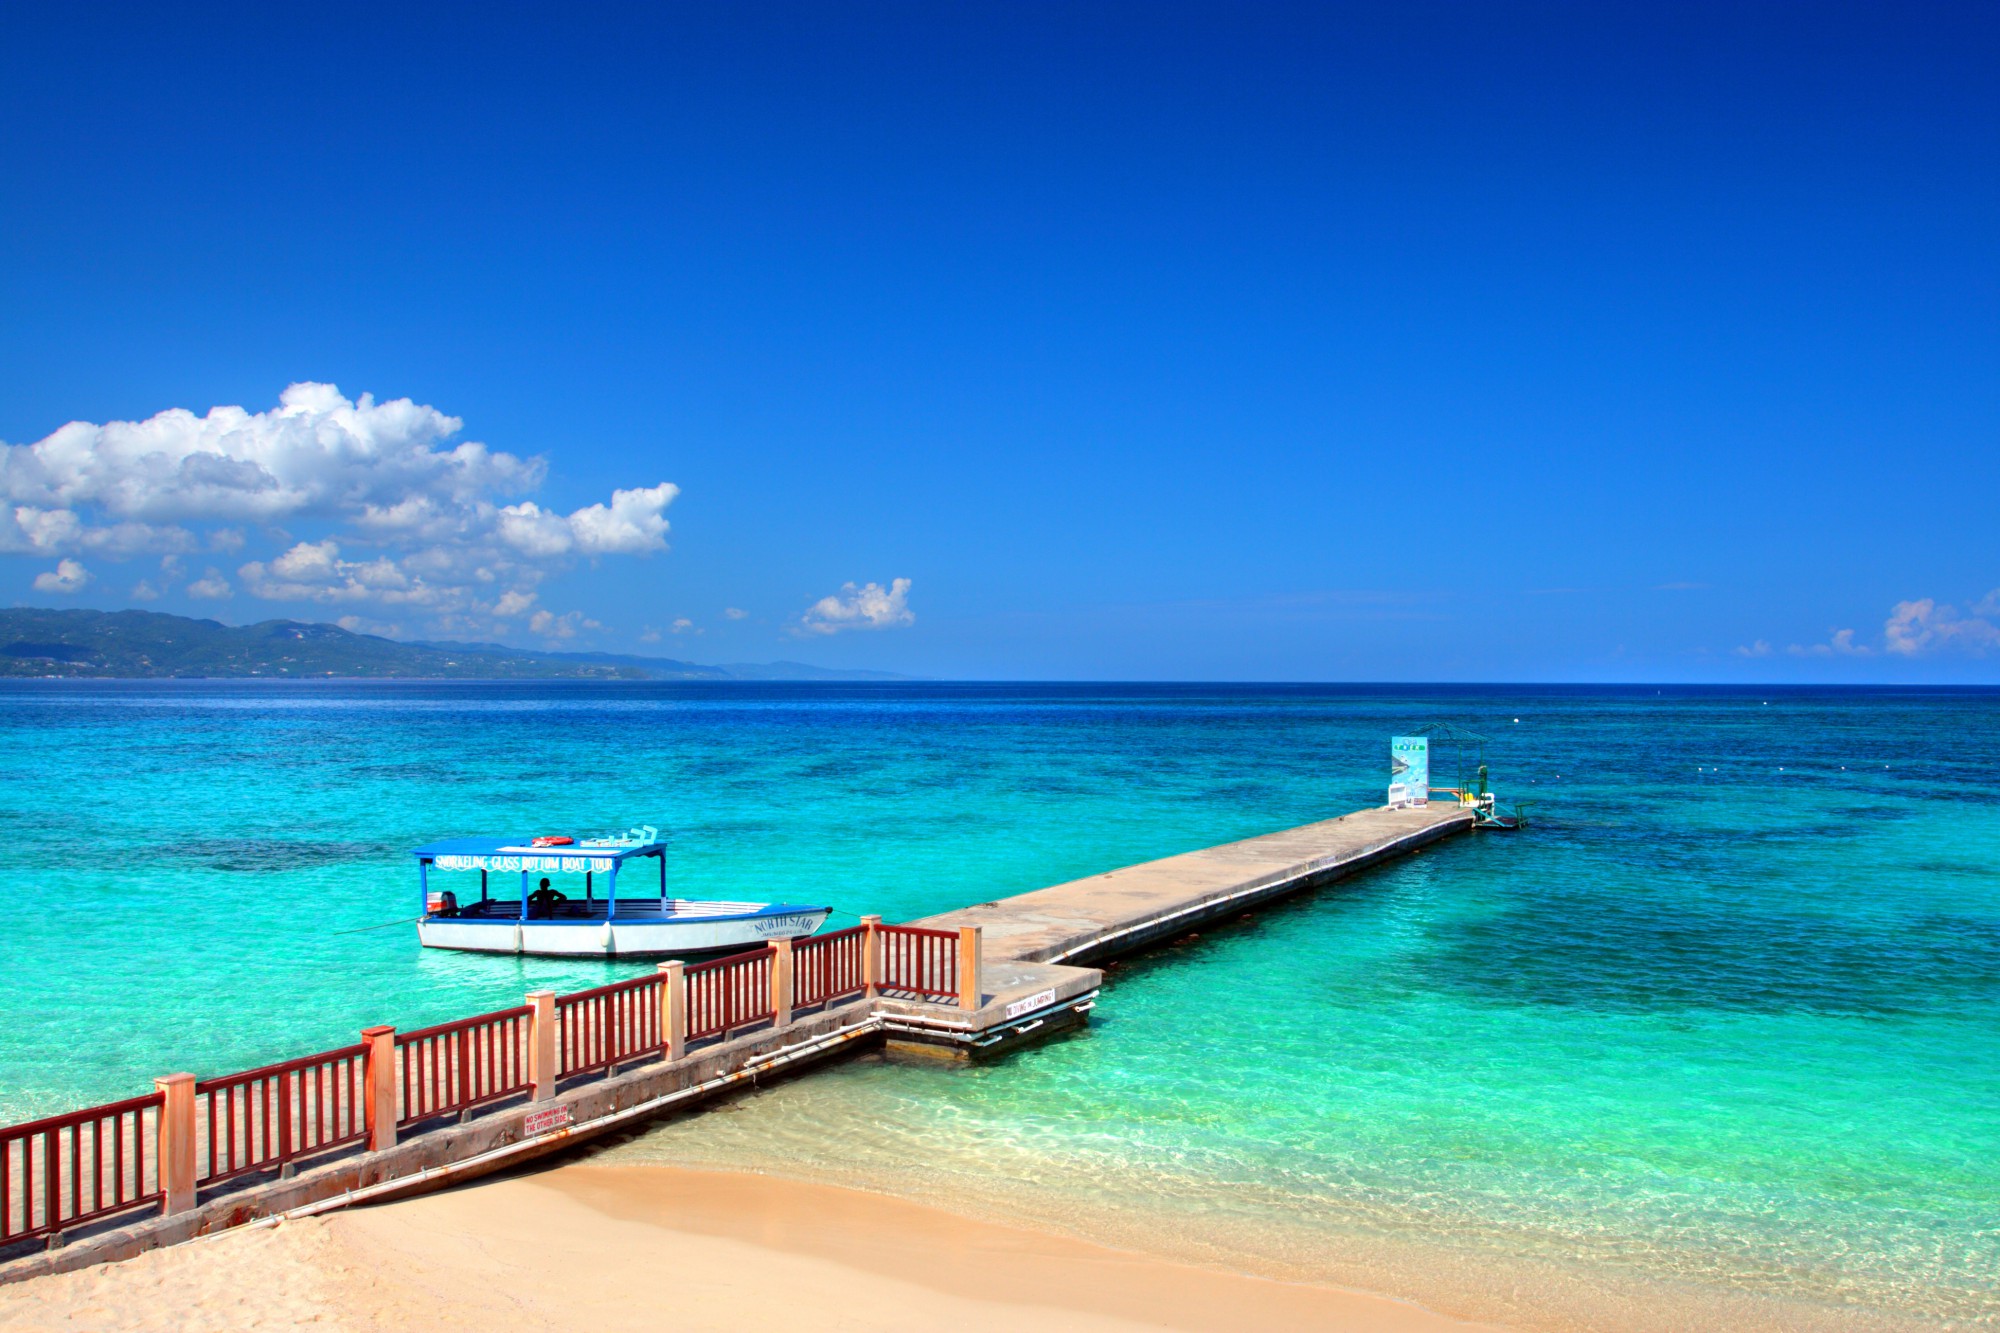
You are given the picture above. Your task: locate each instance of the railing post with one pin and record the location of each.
(673, 1008)
(969, 950)
(781, 983)
(378, 1084)
(871, 955)
(542, 1063)
(176, 1125)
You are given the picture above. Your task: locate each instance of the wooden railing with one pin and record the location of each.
(828, 967)
(728, 993)
(70, 1169)
(919, 962)
(457, 1066)
(160, 1149)
(273, 1116)
(608, 1025)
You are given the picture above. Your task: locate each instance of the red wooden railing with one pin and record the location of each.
(920, 962)
(75, 1168)
(608, 1024)
(826, 967)
(454, 1066)
(728, 993)
(271, 1116)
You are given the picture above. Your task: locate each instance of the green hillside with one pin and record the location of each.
(147, 643)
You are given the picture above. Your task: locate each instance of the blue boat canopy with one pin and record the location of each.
(520, 853)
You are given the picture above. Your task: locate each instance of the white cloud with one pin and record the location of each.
(870, 606)
(1916, 628)
(735, 613)
(1842, 644)
(68, 576)
(142, 591)
(1757, 649)
(1924, 626)
(443, 524)
(684, 626)
(211, 587)
(650, 636)
(565, 626)
(362, 625)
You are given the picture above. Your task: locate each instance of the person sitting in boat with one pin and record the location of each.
(544, 901)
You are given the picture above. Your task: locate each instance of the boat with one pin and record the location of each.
(568, 903)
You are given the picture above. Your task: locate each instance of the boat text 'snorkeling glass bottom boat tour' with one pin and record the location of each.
(568, 904)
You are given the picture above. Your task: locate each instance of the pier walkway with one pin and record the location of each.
(401, 1112)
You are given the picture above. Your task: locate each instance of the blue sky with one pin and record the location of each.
(1585, 342)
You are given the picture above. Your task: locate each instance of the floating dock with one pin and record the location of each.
(400, 1113)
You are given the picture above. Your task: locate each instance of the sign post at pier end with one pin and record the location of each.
(1409, 771)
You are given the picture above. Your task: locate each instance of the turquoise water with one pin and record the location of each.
(1727, 1018)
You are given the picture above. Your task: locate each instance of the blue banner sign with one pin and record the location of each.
(1409, 770)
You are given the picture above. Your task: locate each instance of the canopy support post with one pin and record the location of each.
(611, 892)
(524, 895)
(424, 885)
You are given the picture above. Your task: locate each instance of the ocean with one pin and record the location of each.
(1715, 1040)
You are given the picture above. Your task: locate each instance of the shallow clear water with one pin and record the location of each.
(1728, 1014)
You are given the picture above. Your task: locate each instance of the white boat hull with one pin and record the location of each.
(642, 937)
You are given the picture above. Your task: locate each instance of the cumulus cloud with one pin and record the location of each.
(870, 606)
(555, 627)
(67, 576)
(144, 591)
(400, 513)
(735, 613)
(684, 626)
(363, 625)
(1924, 626)
(1918, 628)
(211, 587)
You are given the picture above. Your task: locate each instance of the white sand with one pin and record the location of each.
(610, 1248)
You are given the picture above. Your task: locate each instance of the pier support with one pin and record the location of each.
(378, 1087)
(673, 1008)
(542, 1062)
(781, 982)
(177, 1133)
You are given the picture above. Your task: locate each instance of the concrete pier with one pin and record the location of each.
(1042, 942)
(1023, 971)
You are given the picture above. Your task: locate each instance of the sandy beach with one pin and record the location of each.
(612, 1248)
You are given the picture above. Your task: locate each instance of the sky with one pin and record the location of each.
(1408, 342)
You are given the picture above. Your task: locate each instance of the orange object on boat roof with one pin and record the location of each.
(556, 841)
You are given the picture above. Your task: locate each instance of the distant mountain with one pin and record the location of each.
(128, 644)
